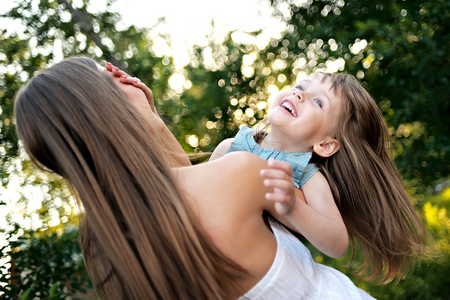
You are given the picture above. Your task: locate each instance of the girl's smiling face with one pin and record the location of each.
(305, 115)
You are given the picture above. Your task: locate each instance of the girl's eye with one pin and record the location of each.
(318, 101)
(299, 87)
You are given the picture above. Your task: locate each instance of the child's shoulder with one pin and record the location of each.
(221, 149)
(225, 144)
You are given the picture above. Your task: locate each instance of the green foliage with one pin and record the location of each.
(43, 265)
(429, 280)
(215, 105)
(398, 49)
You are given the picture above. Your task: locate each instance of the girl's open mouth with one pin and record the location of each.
(289, 107)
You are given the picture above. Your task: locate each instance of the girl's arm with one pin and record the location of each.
(317, 218)
(221, 149)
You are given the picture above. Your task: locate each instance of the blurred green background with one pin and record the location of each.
(399, 50)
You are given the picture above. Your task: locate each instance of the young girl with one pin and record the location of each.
(330, 122)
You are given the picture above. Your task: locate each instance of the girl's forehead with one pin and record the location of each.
(324, 83)
(322, 78)
(319, 79)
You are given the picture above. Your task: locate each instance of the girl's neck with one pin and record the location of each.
(271, 142)
(274, 142)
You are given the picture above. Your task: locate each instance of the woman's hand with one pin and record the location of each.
(279, 176)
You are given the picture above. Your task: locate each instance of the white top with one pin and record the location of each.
(295, 275)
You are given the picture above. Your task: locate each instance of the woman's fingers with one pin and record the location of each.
(127, 79)
(108, 66)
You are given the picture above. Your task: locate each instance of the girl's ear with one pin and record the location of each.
(327, 147)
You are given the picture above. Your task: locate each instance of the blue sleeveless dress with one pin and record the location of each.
(302, 169)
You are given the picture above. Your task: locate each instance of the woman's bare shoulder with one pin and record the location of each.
(243, 160)
(241, 171)
(233, 179)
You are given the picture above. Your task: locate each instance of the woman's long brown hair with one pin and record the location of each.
(138, 237)
(367, 188)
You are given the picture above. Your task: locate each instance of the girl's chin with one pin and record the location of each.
(280, 114)
(277, 121)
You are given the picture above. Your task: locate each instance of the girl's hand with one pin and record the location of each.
(142, 98)
(127, 85)
(127, 79)
(279, 176)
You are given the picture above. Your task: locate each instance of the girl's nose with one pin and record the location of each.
(299, 96)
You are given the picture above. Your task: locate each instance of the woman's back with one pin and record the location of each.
(239, 231)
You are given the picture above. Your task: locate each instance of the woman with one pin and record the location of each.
(153, 229)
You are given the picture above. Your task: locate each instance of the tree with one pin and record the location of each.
(398, 49)
(51, 30)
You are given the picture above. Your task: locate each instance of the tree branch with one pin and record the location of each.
(85, 21)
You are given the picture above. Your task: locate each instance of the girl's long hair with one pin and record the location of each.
(138, 237)
(368, 189)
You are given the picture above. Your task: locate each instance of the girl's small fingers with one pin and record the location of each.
(283, 185)
(277, 198)
(147, 91)
(115, 70)
(280, 165)
(275, 174)
(271, 172)
(108, 66)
